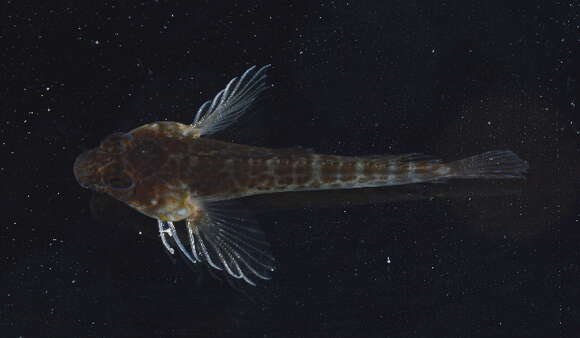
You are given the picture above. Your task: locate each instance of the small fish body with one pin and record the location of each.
(172, 172)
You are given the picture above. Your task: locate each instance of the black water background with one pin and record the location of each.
(450, 78)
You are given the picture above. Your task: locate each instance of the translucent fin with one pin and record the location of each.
(231, 102)
(417, 157)
(164, 230)
(227, 238)
(411, 157)
(492, 164)
(168, 228)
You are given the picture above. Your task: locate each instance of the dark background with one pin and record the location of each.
(451, 78)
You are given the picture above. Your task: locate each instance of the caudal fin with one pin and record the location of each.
(492, 164)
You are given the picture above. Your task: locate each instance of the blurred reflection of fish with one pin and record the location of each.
(106, 209)
(171, 172)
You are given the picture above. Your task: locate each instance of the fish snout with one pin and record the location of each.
(86, 169)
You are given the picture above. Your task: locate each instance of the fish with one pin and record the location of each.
(176, 172)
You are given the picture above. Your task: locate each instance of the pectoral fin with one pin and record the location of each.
(227, 237)
(230, 103)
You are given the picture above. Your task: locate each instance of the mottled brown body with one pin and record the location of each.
(170, 168)
(172, 172)
(220, 170)
(215, 170)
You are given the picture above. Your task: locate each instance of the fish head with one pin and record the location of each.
(121, 163)
(103, 168)
(132, 168)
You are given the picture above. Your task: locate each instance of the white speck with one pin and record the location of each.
(489, 123)
(388, 260)
(97, 42)
(73, 281)
(140, 232)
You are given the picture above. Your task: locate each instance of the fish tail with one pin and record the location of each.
(497, 164)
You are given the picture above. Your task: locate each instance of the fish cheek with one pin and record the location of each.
(146, 198)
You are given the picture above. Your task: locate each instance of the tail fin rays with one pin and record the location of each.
(498, 164)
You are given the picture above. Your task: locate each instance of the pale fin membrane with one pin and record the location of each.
(227, 237)
(231, 102)
(167, 228)
(498, 164)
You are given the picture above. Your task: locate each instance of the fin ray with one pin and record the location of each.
(227, 238)
(231, 102)
(498, 164)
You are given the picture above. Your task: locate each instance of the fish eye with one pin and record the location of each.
(119, 182)
(114, 177)
(115, 143)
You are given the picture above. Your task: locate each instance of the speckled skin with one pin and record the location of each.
(163, 168)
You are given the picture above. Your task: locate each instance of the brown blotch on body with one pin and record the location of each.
(257, 167)
(301, 179)
(329, 169)
(263, 181)
(314, 184)
(348, 171)
(302, 171)
(283, 169)
(285, 180)
(368, 168)
(327, 178)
